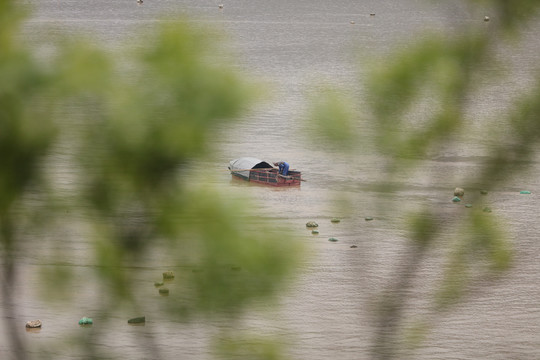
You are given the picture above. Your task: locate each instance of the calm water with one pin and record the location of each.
(291, 45)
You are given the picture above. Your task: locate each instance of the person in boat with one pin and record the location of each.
(283, 167)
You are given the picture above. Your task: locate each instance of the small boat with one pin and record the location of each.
(263, 172)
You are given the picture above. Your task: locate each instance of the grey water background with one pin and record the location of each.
(292, 46)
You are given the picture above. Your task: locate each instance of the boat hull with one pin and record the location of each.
(273, 178)
(262, 172)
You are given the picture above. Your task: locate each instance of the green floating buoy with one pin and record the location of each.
(164, 291)
(524, 192)
(315, 232)
(86, 321)
(456, 199)
(335, 220)
(368, 218)
(311, 224)
(168, 275)
(332, 239)
(137, 320)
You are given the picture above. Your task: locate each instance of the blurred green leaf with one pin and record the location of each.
(331, 117)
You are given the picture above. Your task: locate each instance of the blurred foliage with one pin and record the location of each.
(415, 107)
(332, 116)
(137, 130)
(250, 348)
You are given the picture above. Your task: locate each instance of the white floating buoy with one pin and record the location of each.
(486, 18)
(33, 324)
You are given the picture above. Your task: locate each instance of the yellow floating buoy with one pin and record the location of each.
(168, 275)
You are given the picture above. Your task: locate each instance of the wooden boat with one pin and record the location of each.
(263, 172)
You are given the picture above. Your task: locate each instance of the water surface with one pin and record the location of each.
(291, 46)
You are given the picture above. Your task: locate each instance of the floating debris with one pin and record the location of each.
(220, 6)
(486, 18)
(33, 324)
(333, 239)
(168, 275)
(335, 220)
(311, 224)
(137, 320)
(352, 22)
(315, 232)
(459, 192)
(456, 199)
(483, 192)
(158, 284)
(468, 205)
(236, 268)
(353, 246)
(524, 192)
(486, 209)
(368, 218)
(372, 14)
(86, 321)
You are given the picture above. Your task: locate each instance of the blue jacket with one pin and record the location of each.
(283, 168)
